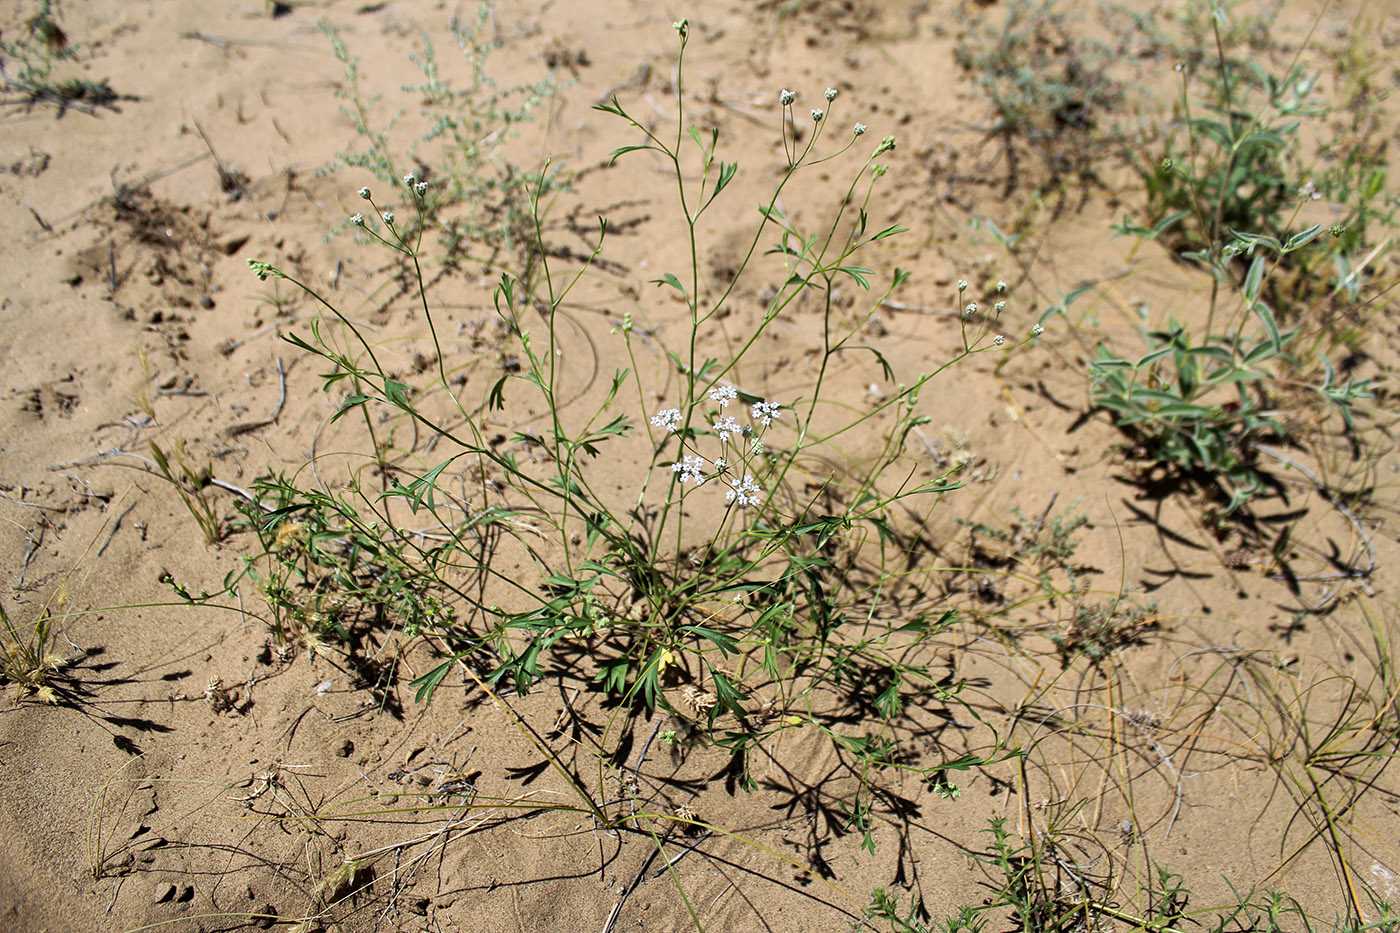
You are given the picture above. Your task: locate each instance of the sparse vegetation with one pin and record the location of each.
(726, 569)
(476, 200)
(30, 66)
(31, 662)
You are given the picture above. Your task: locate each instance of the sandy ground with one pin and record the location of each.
(194, 776)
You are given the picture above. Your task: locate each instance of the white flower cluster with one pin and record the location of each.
(765, 412)
(726, 428)
(745, 491)
(668, 418)
(724, 395)
(692, 468)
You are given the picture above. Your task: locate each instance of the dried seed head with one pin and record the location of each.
(698, 699)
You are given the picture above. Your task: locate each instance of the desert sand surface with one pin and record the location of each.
(214, 714)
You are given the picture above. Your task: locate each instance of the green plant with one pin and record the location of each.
(1096, 630)
(734, 608)
(1235, 161)
(27, 67)
(1046, 543)
(472, 196)
(323, 570)
(1229, 189)
(193, 488)
(29, 662)
(1051, 90)
(1202, 407)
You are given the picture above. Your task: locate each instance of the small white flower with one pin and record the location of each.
(1001, 286)
(962, 286)
(1309, 192)
(421, 188)
(721, 465)
(999, 307)
(755, 446)
(817, 115)
(389, 218)
(357, 220)
(691, 469)
(364, 193)
(668, 418)
(410, 180)
(860, 129)
(745, 491)
(727, 428)
(998, 340)
(831, 93)
(1037, 330)
(971, 308)
(724, 395)
(788, 97)
(765, 412)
